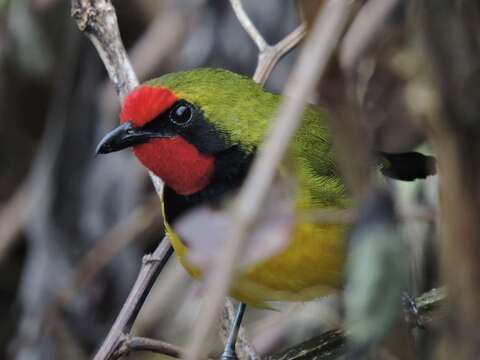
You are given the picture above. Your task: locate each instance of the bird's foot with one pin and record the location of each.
(411, 313)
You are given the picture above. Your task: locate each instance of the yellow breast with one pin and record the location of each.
(308, 267)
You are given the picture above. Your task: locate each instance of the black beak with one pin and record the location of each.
(125, 136)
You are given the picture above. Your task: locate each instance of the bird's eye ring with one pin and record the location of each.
(181, 114)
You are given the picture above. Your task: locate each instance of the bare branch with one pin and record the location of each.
(151, 267)
(269, 57)
(97, 19)
(138, 343)
(134, 343)
(305, 75)
(248, 25)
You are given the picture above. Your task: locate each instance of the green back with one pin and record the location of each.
(241, 110)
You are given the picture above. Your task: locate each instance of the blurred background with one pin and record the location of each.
(73, 227)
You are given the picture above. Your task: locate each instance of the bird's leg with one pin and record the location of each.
(229, 350)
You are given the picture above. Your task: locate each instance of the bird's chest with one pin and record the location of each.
(310, 265)
(177, 162)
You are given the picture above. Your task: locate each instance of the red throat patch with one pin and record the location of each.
(144, 103)
(174, 160)
(178, 163)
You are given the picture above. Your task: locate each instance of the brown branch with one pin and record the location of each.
(151, 267)
(305, 75)
(97, 19)
(138, 343)
(332, 344)
(135, 343)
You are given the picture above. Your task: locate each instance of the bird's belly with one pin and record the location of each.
(310, 266)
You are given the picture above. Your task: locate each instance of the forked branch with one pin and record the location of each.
(268, 55)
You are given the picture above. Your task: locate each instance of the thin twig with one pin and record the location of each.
(248, 25)
(135, 343)
(151, 267)
(268, 55)
(138, 343)
(305, 75)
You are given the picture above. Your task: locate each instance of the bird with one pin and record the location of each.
(199, 130)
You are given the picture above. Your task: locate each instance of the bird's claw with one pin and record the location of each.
(412, 315)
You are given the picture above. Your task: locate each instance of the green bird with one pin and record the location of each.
(199, 130)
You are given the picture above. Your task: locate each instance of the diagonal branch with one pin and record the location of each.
(151, 267)
(248, 25)
(308, 69)
(98, 20)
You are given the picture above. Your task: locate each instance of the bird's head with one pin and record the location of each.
(194, 129)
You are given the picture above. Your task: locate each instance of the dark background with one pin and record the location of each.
(73, 227)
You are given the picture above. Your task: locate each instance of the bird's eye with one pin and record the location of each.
(181, 114)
